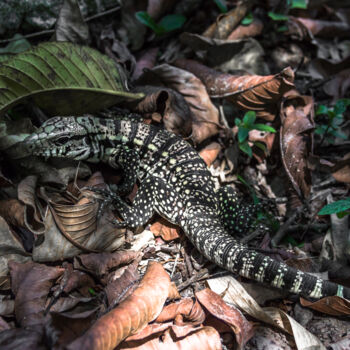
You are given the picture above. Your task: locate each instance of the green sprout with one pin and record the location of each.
(341, 208)
(244, 126)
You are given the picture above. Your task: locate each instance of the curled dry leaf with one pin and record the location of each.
(12, 210)
(324, 29)
(210, 152)
(181, 338)
(228, 55)
(187, 309)
(253, 29)
(147, 59)
(333, 305)
(225, 23)
(204, 115)
(296, 141)
(249, 92)
(120, 287)
(31, 283)
(165, 229)
(32, 216)
(166, 103)
(100, 263)
(342, 171)
(242, 328)
(132, 315)
(338, 85)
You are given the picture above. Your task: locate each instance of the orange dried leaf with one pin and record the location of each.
(210, 152)
(12, 210)
(166, 230)
(226, 313)
(253, 29)
(248, 92)
(131, 316)
(333, 305)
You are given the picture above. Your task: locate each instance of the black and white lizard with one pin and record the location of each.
(175, 183)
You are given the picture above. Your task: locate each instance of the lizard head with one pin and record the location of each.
(60, 137)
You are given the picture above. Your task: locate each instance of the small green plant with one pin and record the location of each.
(248, 19)
(341, 208)
(244, 126)
(330, 130)
(166, 24)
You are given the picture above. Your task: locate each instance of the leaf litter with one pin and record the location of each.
(69, 278)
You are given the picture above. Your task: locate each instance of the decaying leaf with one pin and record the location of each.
(167, 105)
(252, 92)
(185, 310)
(333, 305)
(228, 55)
(228, 314)
(31, 283)
(99, 264)
(147, 59)
(204, 115)
(242, 31)
(210, 152)
(58, 77)
(296, 141)
(225, 23)
(166, 230)
(178, 338)
(132, 315)
(12, 210)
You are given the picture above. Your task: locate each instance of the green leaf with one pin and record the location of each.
(321, 109)
(264, 127)
(244, 147)
(62, 79)
(92, 291)
(19, 44)
(343, 214)
(277, 16)
(249, 119)
(282, 29)
(247, 19)
(238, 121)
(148, 21)
(260, 145)
(221, 4)
(340, 106)
(172, 22)
(335, 207)
(242, 133)
(299, 4)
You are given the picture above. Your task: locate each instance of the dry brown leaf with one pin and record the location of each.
(31, 283)
(324, 29)
(121, 286)
(187, 309)
(225, 23)
(230, 315)
(204, 115)
(157, 8)
(166, 230)
(333, 305)
(166, 104)
(253, 29)
(338, 85)
(20, 338)
(100, 263)
(147, 59)
(249, 92)
(342, 173)
(132, 315)
(12, 210)
(296, 141)
(178, 338)
(210, 152)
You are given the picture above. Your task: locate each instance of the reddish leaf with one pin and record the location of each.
(296, 141)
(249, 92)
(165, 229)
(210, 152)
(333, 305)
(229, 314)
(147, 60)
(132, 315)
(253, 29)
(31, 283)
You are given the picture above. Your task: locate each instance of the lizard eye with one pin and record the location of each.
(62, 140)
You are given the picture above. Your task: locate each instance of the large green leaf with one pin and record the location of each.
(62, 79)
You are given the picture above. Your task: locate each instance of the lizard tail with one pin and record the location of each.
(208, 235)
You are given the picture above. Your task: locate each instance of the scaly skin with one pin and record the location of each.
(176, 184)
